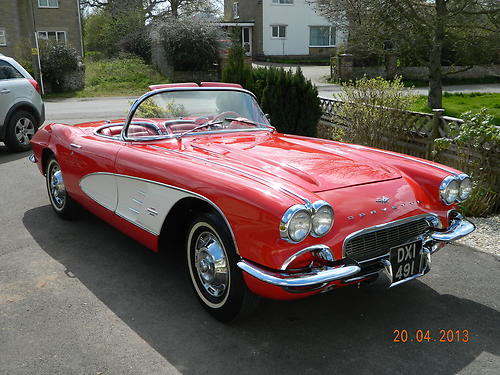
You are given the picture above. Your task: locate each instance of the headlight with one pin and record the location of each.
(449, 189)
(465, 187)
(295, 224)
(322, 220)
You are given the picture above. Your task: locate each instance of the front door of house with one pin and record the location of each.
(246, 40)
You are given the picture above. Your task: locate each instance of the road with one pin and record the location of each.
(80, 297)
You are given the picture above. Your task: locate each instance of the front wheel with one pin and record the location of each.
(217, 281)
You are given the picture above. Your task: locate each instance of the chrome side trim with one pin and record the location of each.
(263, 180)
(171, 187)
(386, 225)
(314, 277)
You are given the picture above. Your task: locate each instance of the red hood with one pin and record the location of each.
(309, 163)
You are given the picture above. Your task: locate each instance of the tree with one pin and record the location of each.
(154, 9)
(421, 28)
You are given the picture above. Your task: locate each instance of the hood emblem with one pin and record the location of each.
(382, 199)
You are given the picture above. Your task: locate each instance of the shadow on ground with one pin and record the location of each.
(347, 331)
(7, 156)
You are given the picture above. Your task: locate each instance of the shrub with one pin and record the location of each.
(235, 70)
(189, 43)
(477, 143)
(290, 99)
(57, 59)
(374, 109)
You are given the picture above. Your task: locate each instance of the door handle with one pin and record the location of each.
(5, 91)
(74, 145)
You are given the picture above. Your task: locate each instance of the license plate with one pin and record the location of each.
(406, 260)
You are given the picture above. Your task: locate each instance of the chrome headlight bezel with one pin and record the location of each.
(287, 219)
(311, 209)
(457, 180)
(317, 206)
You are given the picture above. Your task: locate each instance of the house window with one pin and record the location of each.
(3, 40)
(279, 31)
(281, 2)
(236, 10)
(57, 36)
(322, 36)
(48, 3)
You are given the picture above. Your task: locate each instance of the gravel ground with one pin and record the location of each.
(486, 236)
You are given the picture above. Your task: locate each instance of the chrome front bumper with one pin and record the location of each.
(350, 271)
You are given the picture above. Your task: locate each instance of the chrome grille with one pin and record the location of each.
(377, 242)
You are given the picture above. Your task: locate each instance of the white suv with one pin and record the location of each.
(21, 107)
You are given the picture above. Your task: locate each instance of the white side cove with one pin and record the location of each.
(297, 17)
(142, 202)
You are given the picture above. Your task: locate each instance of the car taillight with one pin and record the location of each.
(35, 85)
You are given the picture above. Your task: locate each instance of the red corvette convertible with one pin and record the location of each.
(258, 213)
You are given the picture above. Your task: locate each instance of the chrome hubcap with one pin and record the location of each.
(57, 188)
(211, 264)
(24, 130)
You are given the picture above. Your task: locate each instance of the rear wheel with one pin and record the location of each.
(21, 128)
(217, 281)
(60, 201)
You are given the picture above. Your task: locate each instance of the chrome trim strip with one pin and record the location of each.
(134, 210)
(383, 226)
(137, 224)
(263, 180)
(314, 277)
(396, 155)
(171, 187)
(306, 250)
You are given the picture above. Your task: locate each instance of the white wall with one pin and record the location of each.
(298, 17)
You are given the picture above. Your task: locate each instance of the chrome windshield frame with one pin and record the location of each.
(138, 102)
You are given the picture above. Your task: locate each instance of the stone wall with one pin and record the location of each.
(422, 72)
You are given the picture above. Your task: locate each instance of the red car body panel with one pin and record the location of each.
(223, 168)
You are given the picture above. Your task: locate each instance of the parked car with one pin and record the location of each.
(258, 213)
(21, 106)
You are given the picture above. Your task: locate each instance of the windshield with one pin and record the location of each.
(184, 112)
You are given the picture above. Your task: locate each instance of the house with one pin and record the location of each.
(51, 19)
(281, 28)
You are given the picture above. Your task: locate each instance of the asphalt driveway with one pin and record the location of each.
(82, 298)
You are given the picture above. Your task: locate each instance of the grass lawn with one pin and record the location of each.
(115, 77)
(456, 104)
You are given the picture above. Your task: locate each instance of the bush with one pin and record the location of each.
(290, 99)
(374, 109)
(57, 59)
(477, 143)
(189, 43)
(235, 69)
